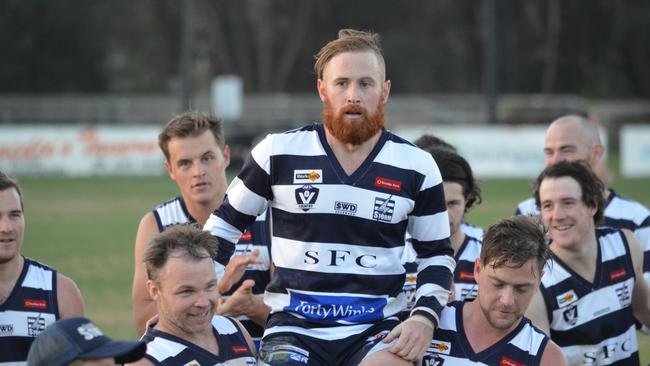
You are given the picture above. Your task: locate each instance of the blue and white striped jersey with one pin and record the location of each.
(166, 349)
(621, 213)
(523, 346)
(31, 306)
(593, 323)
(174, 212)
(472, 230)
(337, 240)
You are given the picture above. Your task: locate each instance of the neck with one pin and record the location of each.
(10, 270)
(351, 156)
(457, 240)
(201, 211)
(580, 257)
(480, 334)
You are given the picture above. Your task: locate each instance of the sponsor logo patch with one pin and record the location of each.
(507, 361)
(433, 360)
(466, 276)
(566, 298)
(246, 236)
(440, 347)
(345, 208)
(468, 293)
(617, 275)
(306, 176)
(570, 315)
(239, 348)
(35, 325)
(624, 294)
(393, 185)
(192, 363)
(332, 309)
(6, 329)
(34, 304)
(384, 208)
(306, 197)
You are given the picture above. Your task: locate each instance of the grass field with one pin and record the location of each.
(86, 227)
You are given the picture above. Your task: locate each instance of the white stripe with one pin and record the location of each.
(264, 255)
(643, 234)
(23, 363)
(620, 208)
(303, 143)
(261, 153)
(528, 207)
(244, 200)
(220, 228)
(619, 348)
(161, 348)
(329, 194)
(448, 318)
(38, 278)
(336, 258)
(594, 305)
(328, 334)
(21, 320)
(528, 340)
(471, 252)
(223, 325)
(429, 228)
(432, 289)
(554, 273)
(439, 260)
(611, 246)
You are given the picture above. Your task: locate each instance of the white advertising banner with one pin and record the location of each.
(492, 151)
(635, 150)
(80, 150)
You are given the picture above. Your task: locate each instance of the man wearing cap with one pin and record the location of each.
(78, 342)
(183, 284)
(32, 295)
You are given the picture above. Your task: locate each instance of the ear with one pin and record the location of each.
(226, 155)
(153, 290)
(477, 268)
(597, 152)
(320, 85)
(386, 91)
(168, 169)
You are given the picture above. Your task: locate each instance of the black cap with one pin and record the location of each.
(78, 338)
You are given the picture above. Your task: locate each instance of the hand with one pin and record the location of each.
(241, 302)
(413, 335)
(236, 268)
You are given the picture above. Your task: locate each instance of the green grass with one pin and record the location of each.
(85, 228)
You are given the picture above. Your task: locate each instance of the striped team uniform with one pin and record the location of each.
(523, 346)
(472, 230)
(174, 212)
(593, 322)
(621, 213)
(31, 306)
(464, 283)
(166, 349)
(337, 240)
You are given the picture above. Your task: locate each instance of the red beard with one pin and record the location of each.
(352, 132)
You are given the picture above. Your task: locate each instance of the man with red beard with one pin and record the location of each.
(342, 196)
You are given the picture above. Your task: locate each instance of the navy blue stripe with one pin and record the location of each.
(225, 251)
(430, 201)
(14, 349)
(596, 330)
(255, 178)
(646, 261)
(438, 275)
(323, 228)
(427, 249)
(335, 282)
(235, 218)
(620, 223)
(158, 221)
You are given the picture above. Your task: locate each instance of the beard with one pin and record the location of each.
(353, 132)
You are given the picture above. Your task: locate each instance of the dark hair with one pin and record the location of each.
(427, 142)
(190, 124)
(7, 182)
(454, 168)
(513, 241)
(178, 240)
(591, 186)
(349, 40)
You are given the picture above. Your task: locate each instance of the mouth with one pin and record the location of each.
(201, 185)
(562, 227)
(7, 240)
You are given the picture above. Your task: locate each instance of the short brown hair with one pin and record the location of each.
(591, 186)
(514, 241)
(7, 182)
(349, 40)
(179, 240)
(191, 124)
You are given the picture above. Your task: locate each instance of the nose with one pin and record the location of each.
(508, 296)
(553, 158)
(202, 300)
(198, 169)
(558, 212)
(353, 94)
(4, 223)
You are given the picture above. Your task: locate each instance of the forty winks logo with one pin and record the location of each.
(336, 309)
(306, 197)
